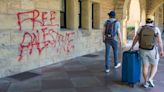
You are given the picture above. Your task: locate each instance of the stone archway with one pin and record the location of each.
(155, 11)
(122, 10)
(154, 5)
(125, 19)
(134, 17)
(159, 17)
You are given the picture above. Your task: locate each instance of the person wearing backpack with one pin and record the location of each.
(149, 36)
(111, 37)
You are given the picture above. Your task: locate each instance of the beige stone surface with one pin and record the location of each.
(27, 4)
(3, 6)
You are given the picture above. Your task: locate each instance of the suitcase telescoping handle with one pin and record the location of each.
(131, 51)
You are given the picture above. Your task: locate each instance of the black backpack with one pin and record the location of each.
(110, 30)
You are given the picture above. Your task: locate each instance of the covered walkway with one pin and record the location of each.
(41, 42)
(81, 74)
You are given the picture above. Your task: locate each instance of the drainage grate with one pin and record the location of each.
(24, 76)
(90, 55)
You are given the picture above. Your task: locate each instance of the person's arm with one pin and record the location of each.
(103, 34)
(134, 41)
(136, 38)
(119, 38)
(159, 41)
(119, 34)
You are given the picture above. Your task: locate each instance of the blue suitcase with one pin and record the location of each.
(131, 67)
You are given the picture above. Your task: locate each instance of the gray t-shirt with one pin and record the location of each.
(157, 30)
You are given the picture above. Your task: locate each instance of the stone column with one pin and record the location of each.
(86, 14)
(71, 14)
(96, 16)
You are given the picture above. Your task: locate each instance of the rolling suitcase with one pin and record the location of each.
(131, 67)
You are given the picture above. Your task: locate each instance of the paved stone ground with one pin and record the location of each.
(81, 74)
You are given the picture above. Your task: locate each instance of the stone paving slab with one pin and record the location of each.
(81, 74)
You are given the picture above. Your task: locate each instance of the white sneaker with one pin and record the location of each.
(151, 84)
(118, 65)
(146, 85)
(107, 70)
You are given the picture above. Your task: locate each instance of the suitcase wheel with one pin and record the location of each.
(131, 85)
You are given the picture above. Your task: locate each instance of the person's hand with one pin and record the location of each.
(120, 44)
(131, 49)
(103, 41)
(161, 53)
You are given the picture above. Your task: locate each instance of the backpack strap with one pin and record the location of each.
(107, 27)
(145, 27)
(115, 27)
(153, 27)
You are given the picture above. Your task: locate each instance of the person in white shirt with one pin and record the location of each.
(149, 57)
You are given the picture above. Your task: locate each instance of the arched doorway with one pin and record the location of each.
(159, 17)
(134, 14)
(133, 19)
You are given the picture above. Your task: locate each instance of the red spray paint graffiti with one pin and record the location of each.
(42, 34)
